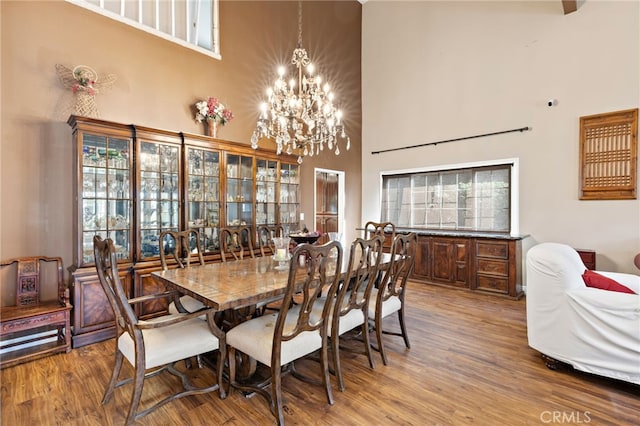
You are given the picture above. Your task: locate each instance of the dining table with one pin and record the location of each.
(230, 287)
(237, 284)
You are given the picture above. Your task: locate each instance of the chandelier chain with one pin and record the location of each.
(299, 23)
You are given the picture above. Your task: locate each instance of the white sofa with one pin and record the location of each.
(593, 330)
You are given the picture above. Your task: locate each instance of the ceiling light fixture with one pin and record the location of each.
(299, 115)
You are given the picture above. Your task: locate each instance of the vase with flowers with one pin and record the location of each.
(214, 113)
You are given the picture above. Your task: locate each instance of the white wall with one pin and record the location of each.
(439, 70)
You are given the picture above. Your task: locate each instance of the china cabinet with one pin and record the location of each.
(133, 182)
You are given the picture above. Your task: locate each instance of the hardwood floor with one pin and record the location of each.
(469, 364)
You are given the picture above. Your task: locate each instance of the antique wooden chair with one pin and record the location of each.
(279, 339)
(386, 229)
(235, 243)
(31, 316)
(390, 295)
(153, 347)
(351, 308)
(265, 236)
(183, 247)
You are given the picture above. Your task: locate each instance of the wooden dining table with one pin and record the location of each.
(228, 287)
(232, 285)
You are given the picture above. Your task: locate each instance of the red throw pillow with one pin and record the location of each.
(596, 280)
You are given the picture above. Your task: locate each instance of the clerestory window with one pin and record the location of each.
(190, 23)
(467, 199)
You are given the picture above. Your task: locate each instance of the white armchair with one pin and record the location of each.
(593, 330)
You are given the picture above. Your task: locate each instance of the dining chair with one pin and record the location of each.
(280, 338)
(390, 294)
(235, 243)
(381, 228)
(265, 236)
(153, 347)
(184, 248)
(351, 307)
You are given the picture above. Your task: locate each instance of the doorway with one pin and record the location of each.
(329, 201)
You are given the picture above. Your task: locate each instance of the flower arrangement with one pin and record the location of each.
(86, 79)
(213, 109)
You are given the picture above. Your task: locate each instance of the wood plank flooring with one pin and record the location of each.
(469, 364)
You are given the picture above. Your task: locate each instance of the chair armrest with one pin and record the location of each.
(150, 297)
(173, 319)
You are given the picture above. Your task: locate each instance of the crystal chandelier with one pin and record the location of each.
(300, 116)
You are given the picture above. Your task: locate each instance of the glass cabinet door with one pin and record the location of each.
(266, 186)
(159, 194)
(203, 195)
(289, 204)
(239, 190)
(106, 194)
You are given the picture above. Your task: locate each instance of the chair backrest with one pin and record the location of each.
(381, 228)
(182, 246)
(265, 236)
(363, 271)
(235, 243)
(312, 269)
(107, 268)
(28, 275)
(403, 256)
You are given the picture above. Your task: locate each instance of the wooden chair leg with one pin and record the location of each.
(403, 327)
(276, 393)
(367, 343)
(326, 381)
(232, 368)
(379, 338)
(117, 366)
(220, 371)
(136, 395)
(335, 350)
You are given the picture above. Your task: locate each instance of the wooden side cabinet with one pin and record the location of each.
(93, 318)
(497, 267)
(475, 262)
(588, 258)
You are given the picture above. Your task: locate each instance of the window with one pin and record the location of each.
(190, 23)
(470, 199)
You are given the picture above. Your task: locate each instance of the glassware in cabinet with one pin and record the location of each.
(239, 197)
(266, 185)
(203, 195)
(105, 197)
(288, 197)
(159, 193)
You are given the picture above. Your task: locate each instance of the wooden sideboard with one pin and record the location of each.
(487, 263)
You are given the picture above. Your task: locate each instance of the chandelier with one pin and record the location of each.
(300, 115)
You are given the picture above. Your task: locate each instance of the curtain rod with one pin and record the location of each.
(521, 129)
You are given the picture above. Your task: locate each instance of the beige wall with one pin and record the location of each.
(157, 84)
(439, 70)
